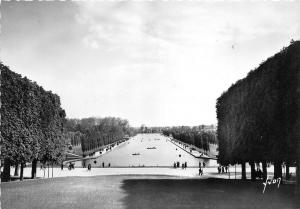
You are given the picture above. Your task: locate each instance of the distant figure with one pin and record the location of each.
(200, 171)
(178, 164)
(223, 169)
(108, 164)
(185, 165)
(199, 164)
(219, 169)
(226, 168)
(182, 165)
(180, 155)
(62, 166)
(203, 164)
(174, 165)
(259, 173)
(89, 167)
(103, 164)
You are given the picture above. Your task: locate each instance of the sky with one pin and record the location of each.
(158, 63)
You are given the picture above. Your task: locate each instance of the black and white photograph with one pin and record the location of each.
(150, 104)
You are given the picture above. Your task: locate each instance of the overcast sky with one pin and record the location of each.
(153, 63)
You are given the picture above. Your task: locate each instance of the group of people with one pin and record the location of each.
(222, 169)
(177, 165)
(71, 166)
(103, 165)
(258, 173)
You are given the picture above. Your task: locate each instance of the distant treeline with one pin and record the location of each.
(32, 124)
(258, 116)
(200, 139)
(93, 133)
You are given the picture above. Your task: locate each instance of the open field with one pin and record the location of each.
(143, 192)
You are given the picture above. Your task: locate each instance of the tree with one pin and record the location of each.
(97, 132)
(26, 130)
(17, 144)
(256, 115)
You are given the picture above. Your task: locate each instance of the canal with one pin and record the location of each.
(147, 150)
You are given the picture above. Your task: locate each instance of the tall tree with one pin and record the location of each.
(24, 124)
(256, 115)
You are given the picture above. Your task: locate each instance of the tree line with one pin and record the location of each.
(189, 135)
(34, 127)
(258, 115)
(32, 124)
(95, 133)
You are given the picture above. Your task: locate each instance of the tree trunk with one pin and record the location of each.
(298, 168)
(33, 168)
(244, 171)
(287, 171)
(252, 171)
(6, 171)
(297, 130)
(22, 169)
(277, 170)
(298, 173)
(16, 170)
(265, 172)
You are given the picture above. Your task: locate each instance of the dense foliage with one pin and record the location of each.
(31, 122)
(257, 115)
(193, 136)
(97, 132)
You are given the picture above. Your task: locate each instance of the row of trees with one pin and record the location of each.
(257, 116)
(159, 129)
(200, 139)
(97, 132)
(74, 138)
(32, 124)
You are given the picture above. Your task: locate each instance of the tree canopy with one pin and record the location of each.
(32, 120)
(257, 115)
(97, 132)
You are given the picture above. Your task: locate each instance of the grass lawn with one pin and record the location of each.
(143, 192)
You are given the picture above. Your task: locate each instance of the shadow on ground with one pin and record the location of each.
(132, 191)
(205, 193)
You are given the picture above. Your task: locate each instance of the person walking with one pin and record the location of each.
(70, 166)
(185, 165)
(89, 167)
(200, 171)
(102, 164)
